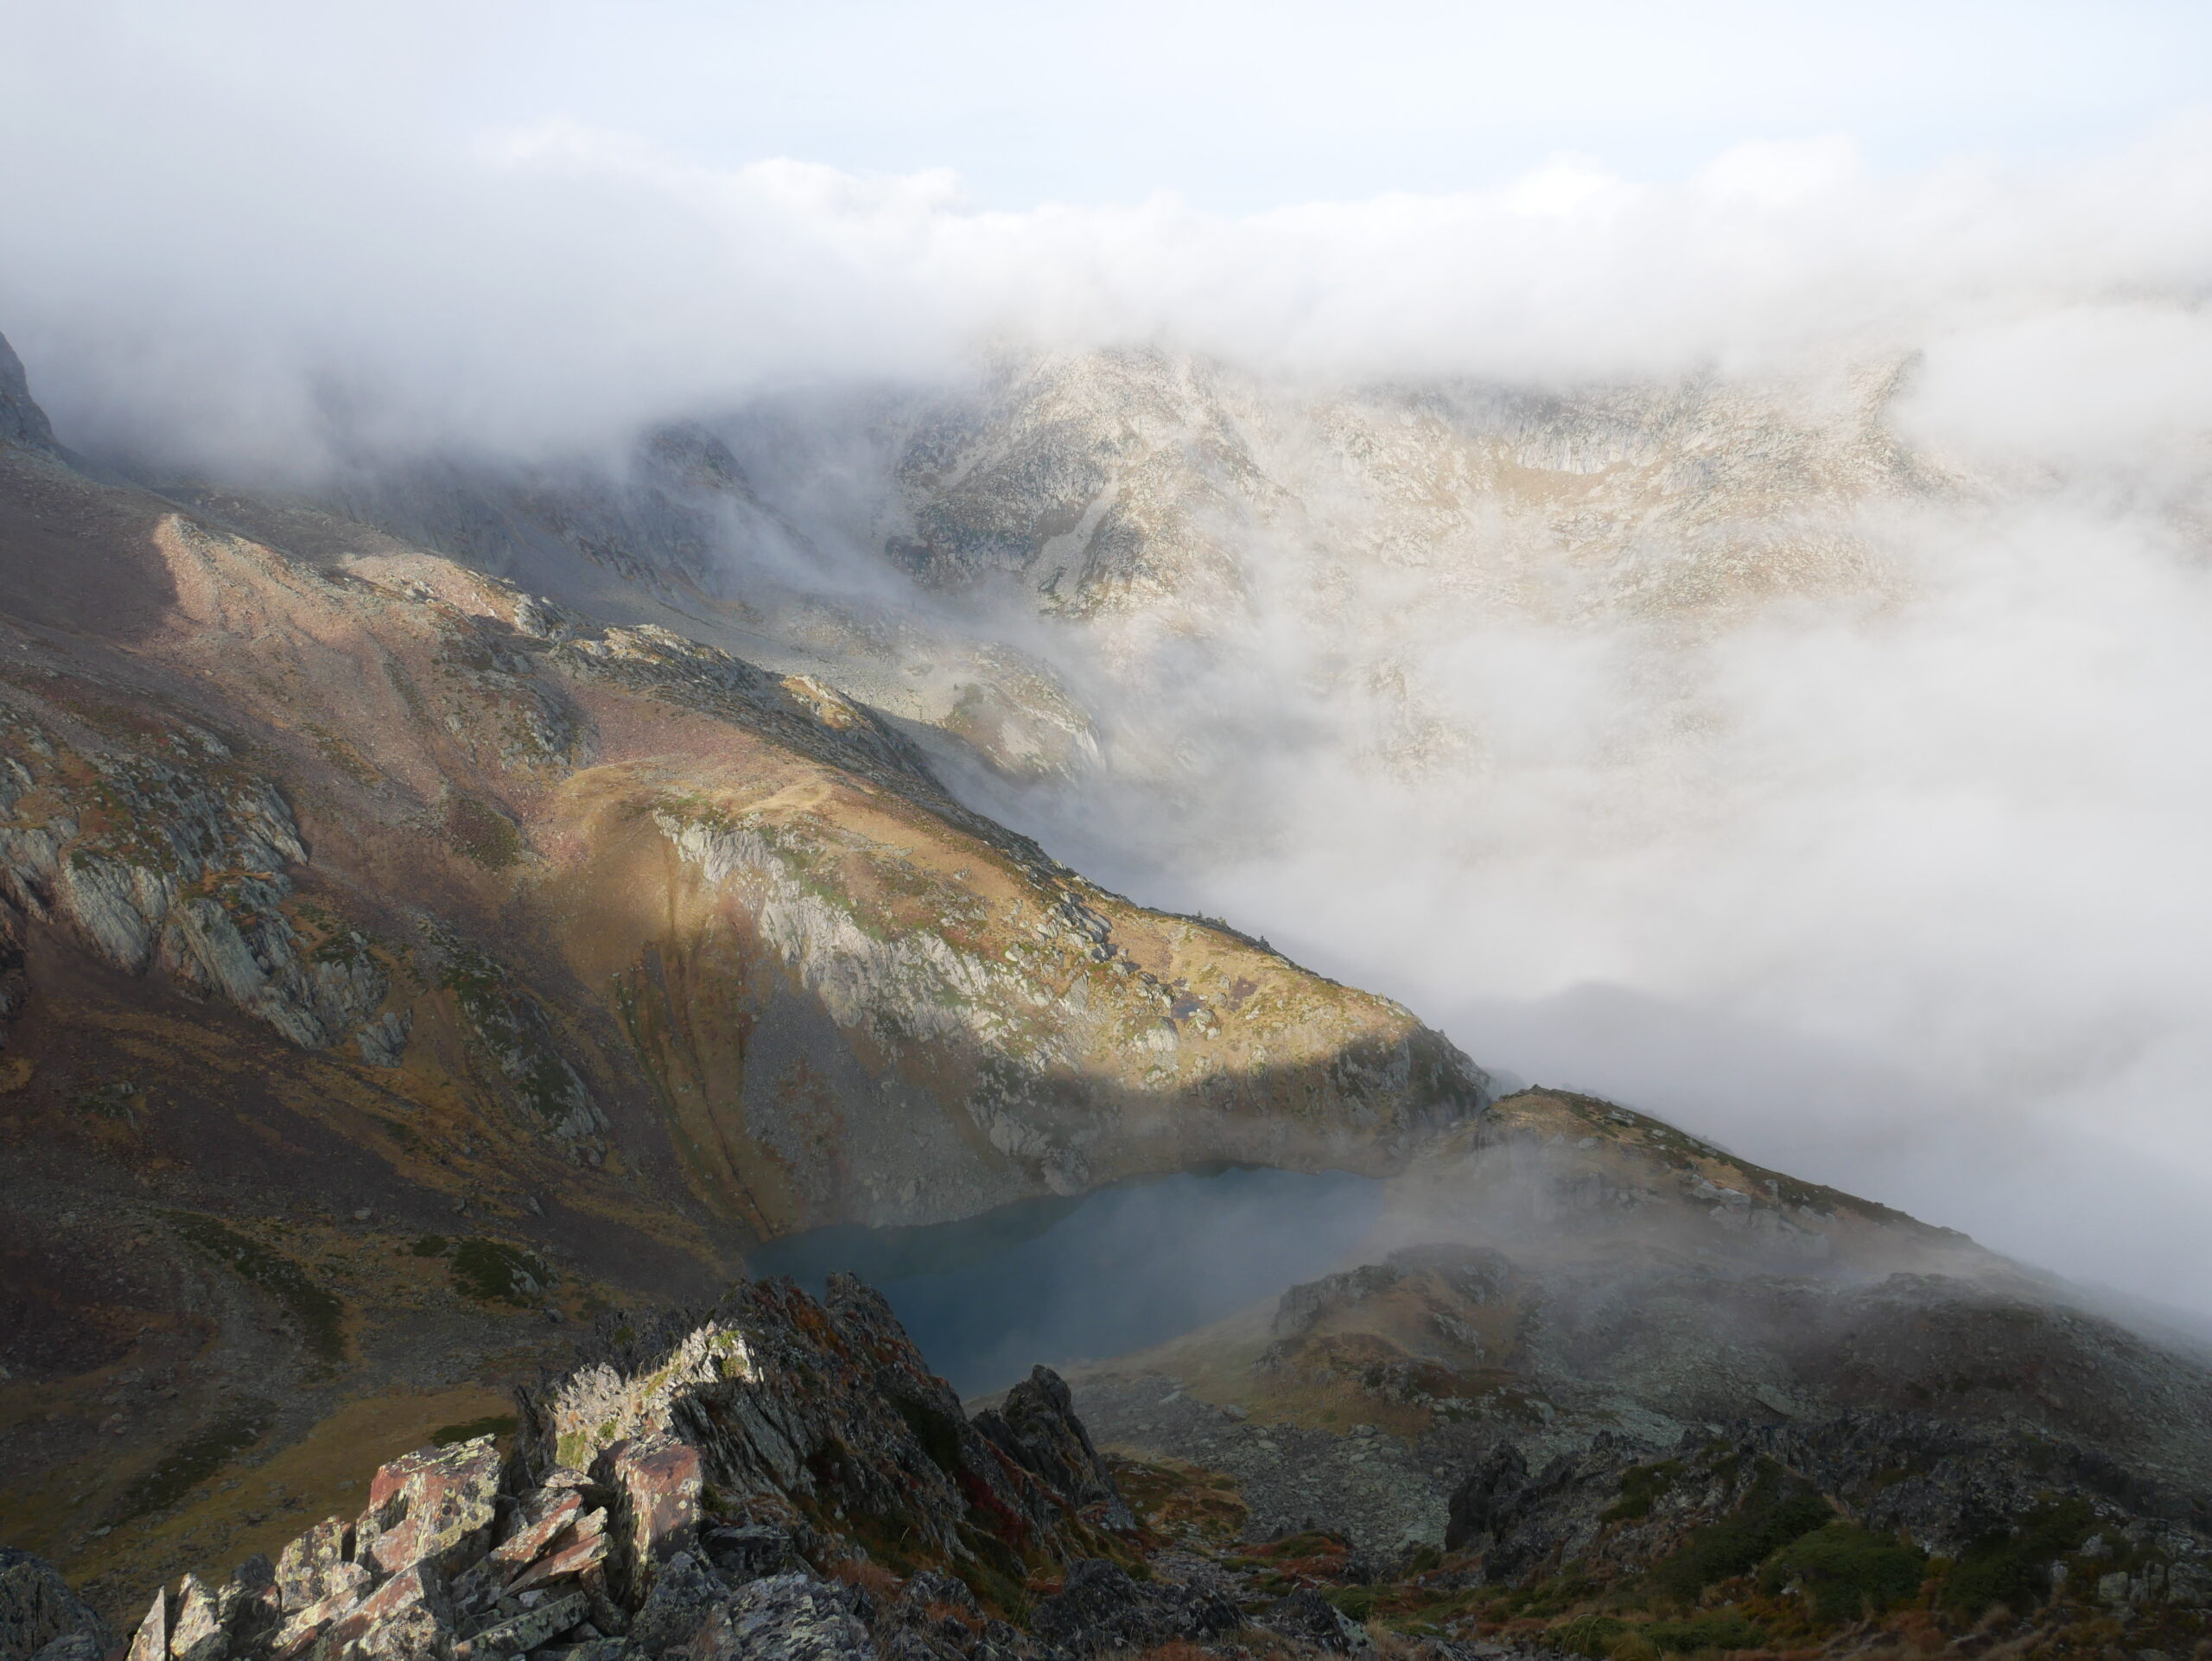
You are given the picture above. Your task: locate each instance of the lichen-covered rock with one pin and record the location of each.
(313, 1570)
(433, 1507)
(685, 1597)
(783, 1618)
(655, 1481)
(751, 1553)
(528, 1630)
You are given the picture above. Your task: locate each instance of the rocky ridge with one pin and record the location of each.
(773, 1477)
(1572, 1269)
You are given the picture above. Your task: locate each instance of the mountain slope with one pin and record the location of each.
(388, 957)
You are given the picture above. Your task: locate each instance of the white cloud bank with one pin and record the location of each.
(232, 253)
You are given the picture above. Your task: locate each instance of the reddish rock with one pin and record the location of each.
(656, 1481)
(199, 1633)
(433, 1506)
(533, 1538)
(576, 1558)
(407, 1609)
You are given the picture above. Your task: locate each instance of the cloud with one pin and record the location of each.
(239, 246)
(1898, 887)
(2076, 388)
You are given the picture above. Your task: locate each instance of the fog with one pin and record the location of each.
(1895, 879)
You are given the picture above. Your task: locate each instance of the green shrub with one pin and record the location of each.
(1641, 1486)
(2012, 1566)
(480, 832)
(1779, 1509)
(1847, 1572)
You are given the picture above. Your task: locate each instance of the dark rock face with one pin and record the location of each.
(1036, 1427)
(22, 422)
(1489, 1501)
(692, 1489)
(784, 1618)
(38, 1611)
(1305, 1616)
(1102, 1609)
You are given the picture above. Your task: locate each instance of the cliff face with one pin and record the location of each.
(385, 949)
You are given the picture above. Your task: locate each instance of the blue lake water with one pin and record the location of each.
(1080, 1279)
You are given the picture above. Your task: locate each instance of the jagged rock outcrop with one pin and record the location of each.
(170, 855)
(1035, 1425)
(697, 1489)
(821, 1415)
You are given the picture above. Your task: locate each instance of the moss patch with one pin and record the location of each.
(491, 1272)
(481, 833)
(187, 1466)
(1641, 1486)
(320, 1315)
